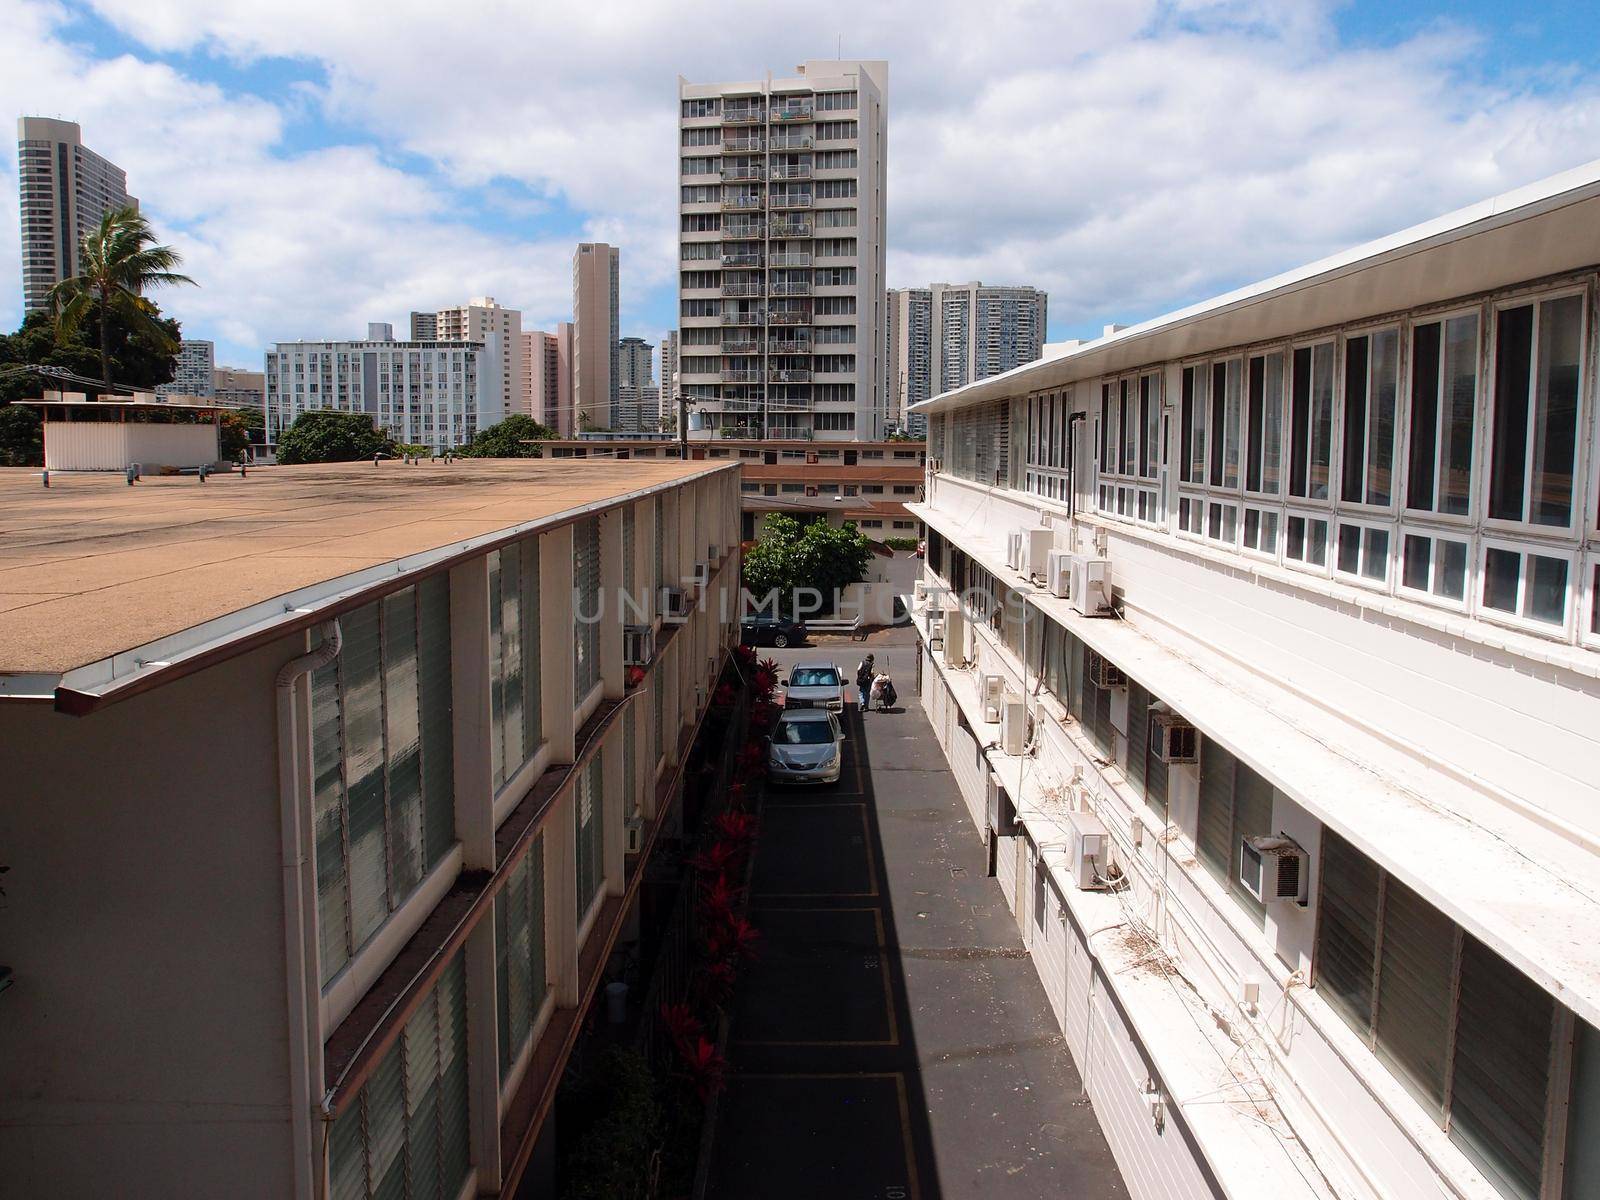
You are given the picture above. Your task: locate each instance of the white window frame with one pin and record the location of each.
(1356, 520)
(1330, 548)
(1336, 341)
(1224, 505)
(1449, 533)
(1515, 620)
(1402, 416)
(1195, 499)
(1587, 594)
(1580, 466)
(1476, 491)
(1202, 366)
(1247, 447)
(1277, 513)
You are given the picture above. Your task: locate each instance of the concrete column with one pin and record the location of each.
(611, 615)
(561, 899)
(483, 1055)
(469, 696)
(643, 560)
(614, 797)
(555, 640)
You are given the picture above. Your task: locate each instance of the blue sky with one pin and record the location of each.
(322, 166)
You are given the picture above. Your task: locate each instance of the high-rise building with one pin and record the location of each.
(949, 334)
(669, 379)
(65, 188)
(549, 376)
(193, 375)
(782, 231)
(435, 394)
(235, 385)
(638, 409)
(476, 321)
(596, 320)
(635, 363)
(424, 326)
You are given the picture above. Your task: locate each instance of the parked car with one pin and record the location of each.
(814, 685)
(763, 629)
(806, 746)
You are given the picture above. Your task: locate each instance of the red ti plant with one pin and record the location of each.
(734, 941)
(736, 827)
(705, 1068)
(718, 900)
(746, 655)
(723, 696)
(680, 1023)
(633, 676)
(715, 860)
(766, 678)
(714, 983)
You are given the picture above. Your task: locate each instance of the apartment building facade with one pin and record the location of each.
(194, 373)
(669, 379)
(237, 386)
(781, 241)
(477, 321)
(596, 331)
(314, 876)
(546, 379)
(1263, 641)
(436, 394)
(910, 357)
(64, 189)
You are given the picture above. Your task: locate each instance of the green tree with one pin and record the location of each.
(240, 427)
(327, 435)
(509, 439)
(21, 436)
(138, 359)
(818, 555)
(118, 261)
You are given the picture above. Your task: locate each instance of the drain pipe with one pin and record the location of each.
(292, 768)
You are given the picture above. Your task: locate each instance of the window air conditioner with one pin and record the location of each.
(1086, 850)
(1058, 574)
(702, 574)
(955, 638)
(935, 632)
(674, 606)
(1038, 544)
(1273, 869)
(1173, 739)
(635, 827)
(1104, 672)
(1013, 724)
(1002, 813)
(1014, 550)
(638, 645)
(994, 687)
(1091, 586)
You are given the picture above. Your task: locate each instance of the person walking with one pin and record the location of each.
(864, 674)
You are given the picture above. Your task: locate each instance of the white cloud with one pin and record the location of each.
(1124, 155)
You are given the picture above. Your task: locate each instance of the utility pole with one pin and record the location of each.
(683, 427)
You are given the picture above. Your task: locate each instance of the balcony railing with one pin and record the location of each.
(791, 170)
(741, 289)
(750, 115)
(790, 260)
(789, 318)
(792, 287)
(754, 317)
(750, 258)
(790, 228)
(748, 171)
(793, 200)
(741, 345)
(793, 112)
(789, 375)
(741, 377)
(782, 347)
(742, 145)
(740, 203)
(790, 141)
(742, 230)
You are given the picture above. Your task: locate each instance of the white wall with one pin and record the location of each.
(114, 445)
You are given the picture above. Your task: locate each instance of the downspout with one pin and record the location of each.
(295, 917)
(1072, 463)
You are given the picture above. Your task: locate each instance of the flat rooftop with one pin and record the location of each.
(91, 568)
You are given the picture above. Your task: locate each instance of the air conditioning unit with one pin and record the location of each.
(702, 574)
(1173, 739)
(1058, 574)
(1091, 586)
(955, 638)
(1102, 671)
(635, 828)
(1014, 549)
(1002, 813)
(1013, 724)
(638, 645)
(1273, 869)
(713, 552)
(993, 687)
(1086, 850)
(919, 591)
(1038, 542)
(674, 606)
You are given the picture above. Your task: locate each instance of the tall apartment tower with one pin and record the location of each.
(982, 331)
(635, 363)
(596, 320)
(474, 322)
(910, 356)
(195, 373)
(669, 377)
(545, 376)
(782, 230)
(424, 326)
(65, 188)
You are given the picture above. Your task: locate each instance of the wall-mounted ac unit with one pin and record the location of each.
(936, 632)
(1091, 586)
(674, 606)
(993, 687)
(1086, 850)
(1038, 542)
(1273, 869)
(955, 638)
(1014, 542)
(1013, 724)
(1173, 739)
(1102, 671)
(1002, 813)
(1058, 574)
(702, 574)
(638, 645)
(635, 829)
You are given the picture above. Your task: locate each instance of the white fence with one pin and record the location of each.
(116, 445)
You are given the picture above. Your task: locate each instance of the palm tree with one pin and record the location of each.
(117, 262)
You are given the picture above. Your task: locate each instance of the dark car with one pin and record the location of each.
(765, 630)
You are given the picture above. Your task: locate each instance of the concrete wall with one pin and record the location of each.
(145, 1037)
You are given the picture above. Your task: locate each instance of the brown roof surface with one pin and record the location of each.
(91, 567)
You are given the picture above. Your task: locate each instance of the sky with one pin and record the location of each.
(324, 165)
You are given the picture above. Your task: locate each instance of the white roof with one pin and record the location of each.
(1545, 228)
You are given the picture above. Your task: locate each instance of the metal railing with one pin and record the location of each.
(789, 375)
(744, 318)
(792, 200)
(780, 347)
(790, 228)
(750, 258)
(751, 115)
(790, 260)
(791, 170)
(789, 318)
(741, 377)
(742, 145)
(740, 203)
(741, 346)
(790, 141)
(793, 287)
(745, 172)
(792, 112)
(741, 289)
(745, 230)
